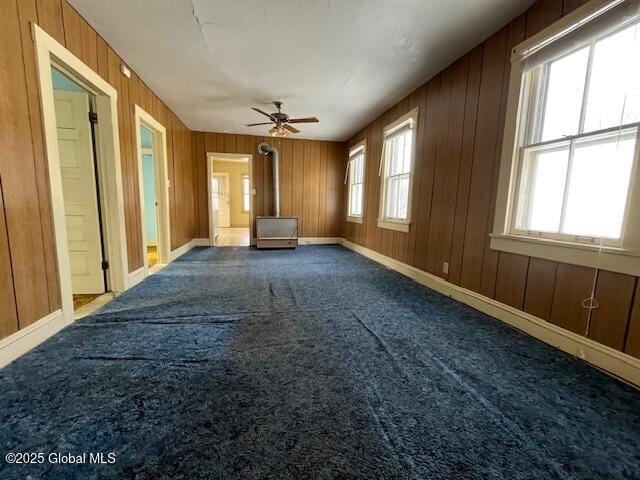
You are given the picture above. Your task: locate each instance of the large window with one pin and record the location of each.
(246, 192)
(577, 111)
(396, 171)
(355, 174)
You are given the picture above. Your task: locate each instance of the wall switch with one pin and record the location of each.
(445, 267)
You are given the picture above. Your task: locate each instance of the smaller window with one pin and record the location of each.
(246, 202)
(355, 175)
(396, 170)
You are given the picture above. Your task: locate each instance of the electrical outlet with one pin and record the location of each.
(445, 267)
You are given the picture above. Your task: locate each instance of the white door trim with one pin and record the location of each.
(51, 53)
(161, 185)
(236, 157)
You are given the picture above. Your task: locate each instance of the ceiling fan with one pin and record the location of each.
(281, 121)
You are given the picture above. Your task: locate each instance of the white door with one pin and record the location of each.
(79, 191)
(222, 200)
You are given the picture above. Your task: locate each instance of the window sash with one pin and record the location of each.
(522, 196)
(356, 182)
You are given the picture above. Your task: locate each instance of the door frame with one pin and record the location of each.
(50, 53)
(161, 185)
(229, 156)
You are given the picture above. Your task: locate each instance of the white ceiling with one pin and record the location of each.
(344, 61)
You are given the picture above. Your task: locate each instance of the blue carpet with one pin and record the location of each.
(315, 363)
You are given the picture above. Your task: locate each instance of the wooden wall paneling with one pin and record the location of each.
(511, 279)
(72, 32)
(572, 286)
(495, 50)
(8, 311)
(311, 192)
(569, 6)
(335, 182)
(201, 186)
(632, 343)
(286, 177)
(542, 14)
(416, 99)
(322, 189)
(27, 13)
(89, 42)
(614, 293)
(18, 172)
(372, 204)
(50, 18)
(516, 35)
(297, 191)
(447, 170)
(540, 284)
(428, 168)
(172, 183)
(103, 58)
(466, 163)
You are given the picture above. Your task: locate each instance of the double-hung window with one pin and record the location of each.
(246, 192)
(396, 171)
(355, 177)
(569, 157)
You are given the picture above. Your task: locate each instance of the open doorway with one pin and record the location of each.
(85, 176)
(154, 195)
(75, 120)
(231, 199)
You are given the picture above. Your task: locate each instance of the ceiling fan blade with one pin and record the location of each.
(304, 120)
(263, 113)
(291, 129)
(254, 124)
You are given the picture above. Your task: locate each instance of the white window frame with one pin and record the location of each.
(400, 225)
(353, 151)
(245, 193)
(619, 256)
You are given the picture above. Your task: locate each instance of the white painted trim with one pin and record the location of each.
(48, 53)
(229, 157)
(397, 225)
(196, 242)
(613, 361)
(319, 240)
(355, 219)
(22, 341)
(137, 276)
(161, 172)
(200, 242)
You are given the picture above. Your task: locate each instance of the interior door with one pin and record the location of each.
(224, 207)
(79, 191)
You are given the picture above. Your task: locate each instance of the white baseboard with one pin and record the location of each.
(201, 242)
(613, 361)
(136, 277)
(22, 341)
(319, 240)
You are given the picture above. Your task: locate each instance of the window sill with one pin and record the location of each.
(355, 219)
(612, 259)
(397, 225)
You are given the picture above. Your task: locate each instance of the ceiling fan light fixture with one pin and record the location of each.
(279, 131)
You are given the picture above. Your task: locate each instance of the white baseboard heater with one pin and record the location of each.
(276, 231)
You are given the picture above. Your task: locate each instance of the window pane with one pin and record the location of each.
(356, 200)
(614, 88)
(359, 161)
(563, 102)
(598, 186)
(391, 207)
(406, 158)
(542, 190)
(403, 196)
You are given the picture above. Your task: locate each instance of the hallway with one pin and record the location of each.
(313, 363)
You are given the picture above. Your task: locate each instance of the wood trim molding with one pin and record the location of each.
(110, 172)
(319, 241)
(26, 339)
(616, 363)
(161, 184)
